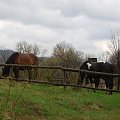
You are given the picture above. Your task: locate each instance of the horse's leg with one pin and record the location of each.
(29, 73)
(106, 85)
(36, 73)
(96, 81)
(87, 80)
(92, 82)
(109, 84)
(80, 79)
(16, 72)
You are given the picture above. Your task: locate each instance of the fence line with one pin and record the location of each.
(64, 76)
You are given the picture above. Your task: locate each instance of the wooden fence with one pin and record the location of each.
(64, 76)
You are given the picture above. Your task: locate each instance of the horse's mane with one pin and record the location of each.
(12, 58)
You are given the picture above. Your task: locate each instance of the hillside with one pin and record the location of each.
(4, 54)
(20, 101)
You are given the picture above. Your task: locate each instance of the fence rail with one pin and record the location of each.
(55, 84)
(62, 68)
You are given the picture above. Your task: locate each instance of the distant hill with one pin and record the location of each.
(5, 54)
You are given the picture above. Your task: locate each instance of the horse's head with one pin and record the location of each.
(85, 66)
(10, 60)
(5, 71)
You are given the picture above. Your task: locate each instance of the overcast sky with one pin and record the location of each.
(86, 24)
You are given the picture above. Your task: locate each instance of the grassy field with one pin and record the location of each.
(20, 101)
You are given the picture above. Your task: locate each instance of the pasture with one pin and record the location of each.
(23, 101)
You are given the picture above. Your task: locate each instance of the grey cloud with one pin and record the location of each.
(56, 13)
(80, 22)
(104, 9)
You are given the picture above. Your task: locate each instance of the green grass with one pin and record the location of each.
(46, 102)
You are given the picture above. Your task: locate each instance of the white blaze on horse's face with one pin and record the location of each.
(89, 65)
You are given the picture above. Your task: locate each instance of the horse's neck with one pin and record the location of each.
(83, 66)
(12, 58)
(8, 61)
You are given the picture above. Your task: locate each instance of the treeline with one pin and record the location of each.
(64, 54)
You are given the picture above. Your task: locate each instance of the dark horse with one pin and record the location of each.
(95, 78)
(21, 59)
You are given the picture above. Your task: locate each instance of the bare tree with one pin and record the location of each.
(24, 47)
(37, 50)
(114, 47)
(104, 56)
(67, 55)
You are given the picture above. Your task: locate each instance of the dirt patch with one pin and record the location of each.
(24, 111)
(88, 107)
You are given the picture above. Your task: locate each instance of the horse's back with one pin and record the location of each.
(109, 67)
(29, 59)
(97, 66)
(34, 58)
(102, 67)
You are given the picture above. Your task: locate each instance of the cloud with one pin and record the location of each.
(102, 45)
(55, 12)
(96, 9)
(12, 32)
(85, 24)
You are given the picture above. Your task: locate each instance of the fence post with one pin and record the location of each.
(118, 86)
(64, 78)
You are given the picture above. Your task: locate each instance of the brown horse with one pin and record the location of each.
(21, 59)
